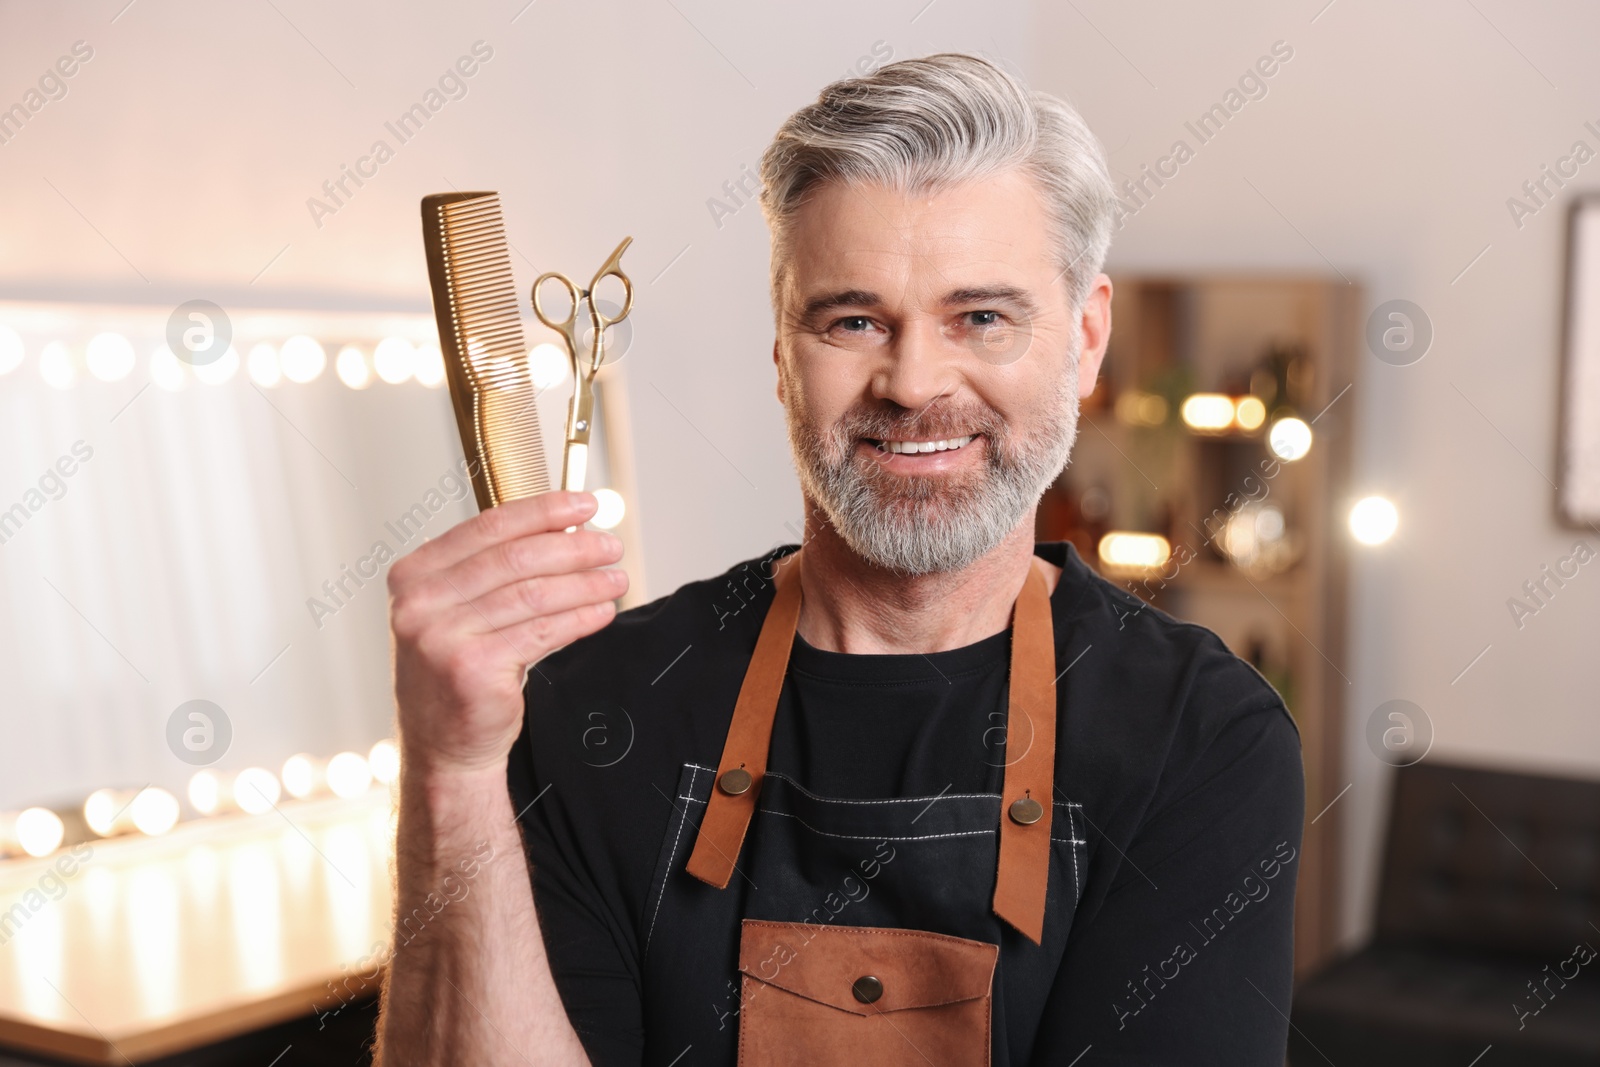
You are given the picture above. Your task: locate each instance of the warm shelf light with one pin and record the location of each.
(1289, 438)
(1141, 409)
(1134, 551)
(1373, 520)
(1207, 412)
(1249, 412)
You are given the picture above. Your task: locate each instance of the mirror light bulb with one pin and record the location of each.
(429, 366)
(611, 510)
(166, 371)
(110, 357)
(220, 369)
(384, 759)
(302, 358)
(39, 831)
(154, 811)
(351, 366)
(205, 792)
(55, 366)
(348, 775)
(263, 363)
(547, 366)
(394, 360)
(256, 790)
(302, 775)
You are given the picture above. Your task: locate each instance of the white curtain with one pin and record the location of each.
(176, 561)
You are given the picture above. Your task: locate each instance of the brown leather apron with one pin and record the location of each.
(836, 993)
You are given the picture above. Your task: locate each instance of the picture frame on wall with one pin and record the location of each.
(1578, 448)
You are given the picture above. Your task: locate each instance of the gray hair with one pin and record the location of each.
(921, 124)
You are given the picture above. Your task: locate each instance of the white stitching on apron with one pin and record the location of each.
(683, 817)
(1072, 832)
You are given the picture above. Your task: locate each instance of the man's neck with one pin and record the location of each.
(850, 605)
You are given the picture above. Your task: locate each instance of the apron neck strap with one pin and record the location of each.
(1024, 854)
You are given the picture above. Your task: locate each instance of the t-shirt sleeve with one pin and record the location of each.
(1188, 959)
(599, 987)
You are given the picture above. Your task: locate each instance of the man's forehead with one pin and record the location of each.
(985, 233)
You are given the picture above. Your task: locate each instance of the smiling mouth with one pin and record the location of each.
(949, 444)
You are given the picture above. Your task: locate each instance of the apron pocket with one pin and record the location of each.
(840, 994)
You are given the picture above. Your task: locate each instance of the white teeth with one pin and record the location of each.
(925, 446)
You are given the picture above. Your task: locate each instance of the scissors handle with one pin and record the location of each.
(612, 268)
(575, 294)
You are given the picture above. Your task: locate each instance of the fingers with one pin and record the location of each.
(535, 639)
(544, 513)
(534, 556)
(514, 604)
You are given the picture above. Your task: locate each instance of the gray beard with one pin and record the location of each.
(924, 525)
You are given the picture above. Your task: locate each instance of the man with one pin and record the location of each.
(920, 791)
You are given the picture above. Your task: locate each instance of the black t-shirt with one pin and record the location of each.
(888, 726)
(1184, 760)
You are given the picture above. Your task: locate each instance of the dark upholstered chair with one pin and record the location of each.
(1487, 932)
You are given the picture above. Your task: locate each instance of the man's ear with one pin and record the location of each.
(779, 367)
(1095, 324)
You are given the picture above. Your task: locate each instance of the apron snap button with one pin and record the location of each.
(735, 781)
(867, 989)
(1026, 811)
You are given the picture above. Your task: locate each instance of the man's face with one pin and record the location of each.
(930, 365)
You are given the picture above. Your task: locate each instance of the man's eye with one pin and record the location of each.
(854, 323)
(983, 318)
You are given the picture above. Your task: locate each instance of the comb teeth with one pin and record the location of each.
(480, 333)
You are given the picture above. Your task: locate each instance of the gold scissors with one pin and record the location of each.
(580, 415)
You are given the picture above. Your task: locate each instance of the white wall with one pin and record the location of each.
(1386, 147)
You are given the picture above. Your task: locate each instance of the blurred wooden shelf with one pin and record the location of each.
(1291, 342)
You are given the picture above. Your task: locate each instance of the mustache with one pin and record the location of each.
(926, 424)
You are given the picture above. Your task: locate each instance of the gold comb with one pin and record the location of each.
(480, 335)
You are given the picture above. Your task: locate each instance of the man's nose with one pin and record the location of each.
(920, 367)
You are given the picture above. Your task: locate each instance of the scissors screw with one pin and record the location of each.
(582, 424)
